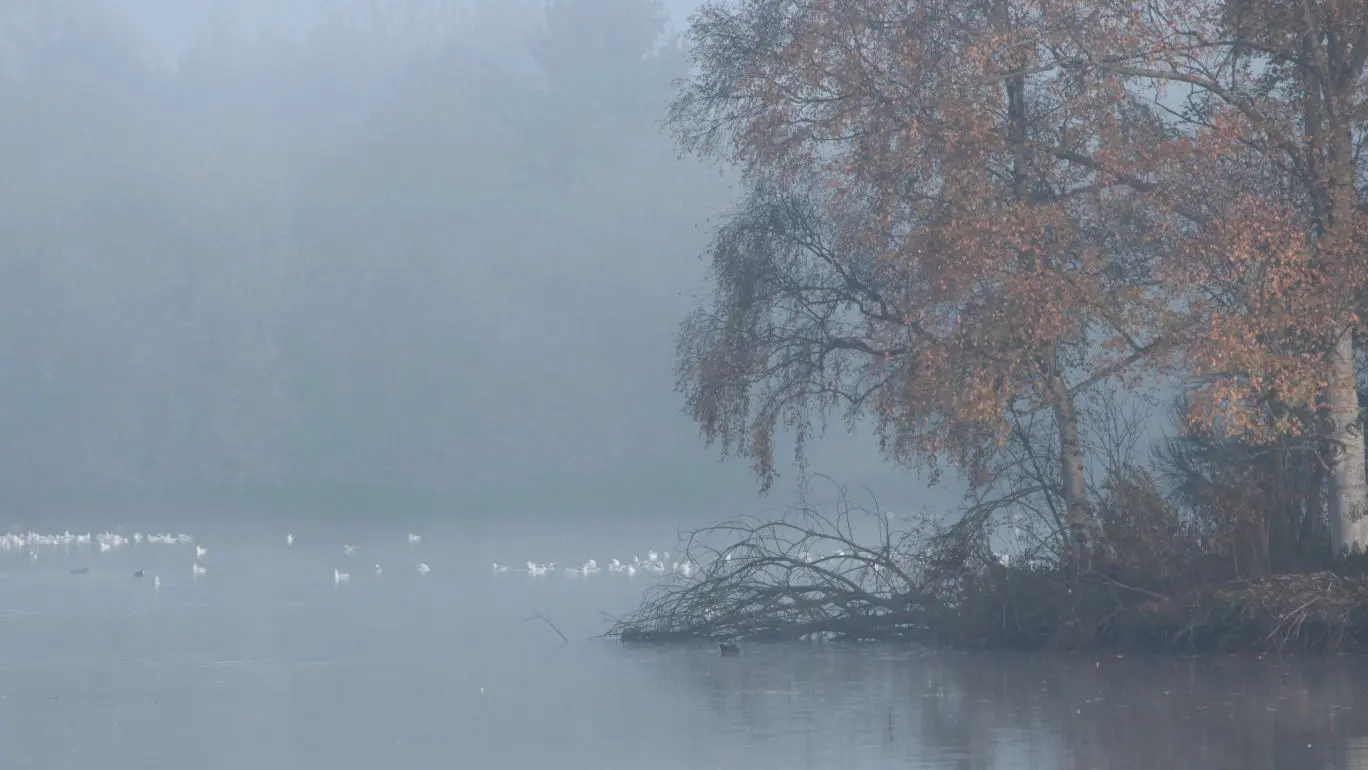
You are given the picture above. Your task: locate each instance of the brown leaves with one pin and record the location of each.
(1265, 256)
(1007, 178)
(1275, 303)
(927, 150)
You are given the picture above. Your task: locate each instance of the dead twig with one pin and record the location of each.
(816, 574)
(545, 618)
(809, 574)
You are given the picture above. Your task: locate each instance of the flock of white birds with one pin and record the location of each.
(654, 563)
(350, 550)
(31, 543)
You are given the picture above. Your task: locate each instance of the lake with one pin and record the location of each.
(266, 662)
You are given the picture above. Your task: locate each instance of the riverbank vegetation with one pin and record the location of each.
(856, 575)
(1018, 237)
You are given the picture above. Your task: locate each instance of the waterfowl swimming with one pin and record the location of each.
(729, 649)
(80, 571)
(139, 573)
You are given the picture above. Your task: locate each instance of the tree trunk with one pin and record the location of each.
(1077, 511)
(1348, 501)
(1348, 480)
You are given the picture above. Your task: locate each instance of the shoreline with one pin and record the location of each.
(1317, 613)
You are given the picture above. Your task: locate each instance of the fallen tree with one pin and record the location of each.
(806, 575)
(861, 575)
(855, 574)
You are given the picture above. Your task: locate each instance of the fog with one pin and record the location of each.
(350, 254)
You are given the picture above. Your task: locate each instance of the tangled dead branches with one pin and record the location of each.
(856, 574)
(1316, 612)
(862, 574)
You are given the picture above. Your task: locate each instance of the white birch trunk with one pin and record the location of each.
(1348, 481)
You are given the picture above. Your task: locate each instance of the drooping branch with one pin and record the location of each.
(907, 247)
(794, 329)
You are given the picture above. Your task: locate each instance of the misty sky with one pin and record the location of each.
(356, 253)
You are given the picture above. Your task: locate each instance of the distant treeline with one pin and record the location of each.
(368, 252)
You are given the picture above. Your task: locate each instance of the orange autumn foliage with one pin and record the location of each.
(1266, 239)
(1069, 191)
(1009, 267)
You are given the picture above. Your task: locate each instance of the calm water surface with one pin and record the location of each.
(264, 663)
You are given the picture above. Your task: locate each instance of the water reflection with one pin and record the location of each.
(1001, 711)
(266, 662)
